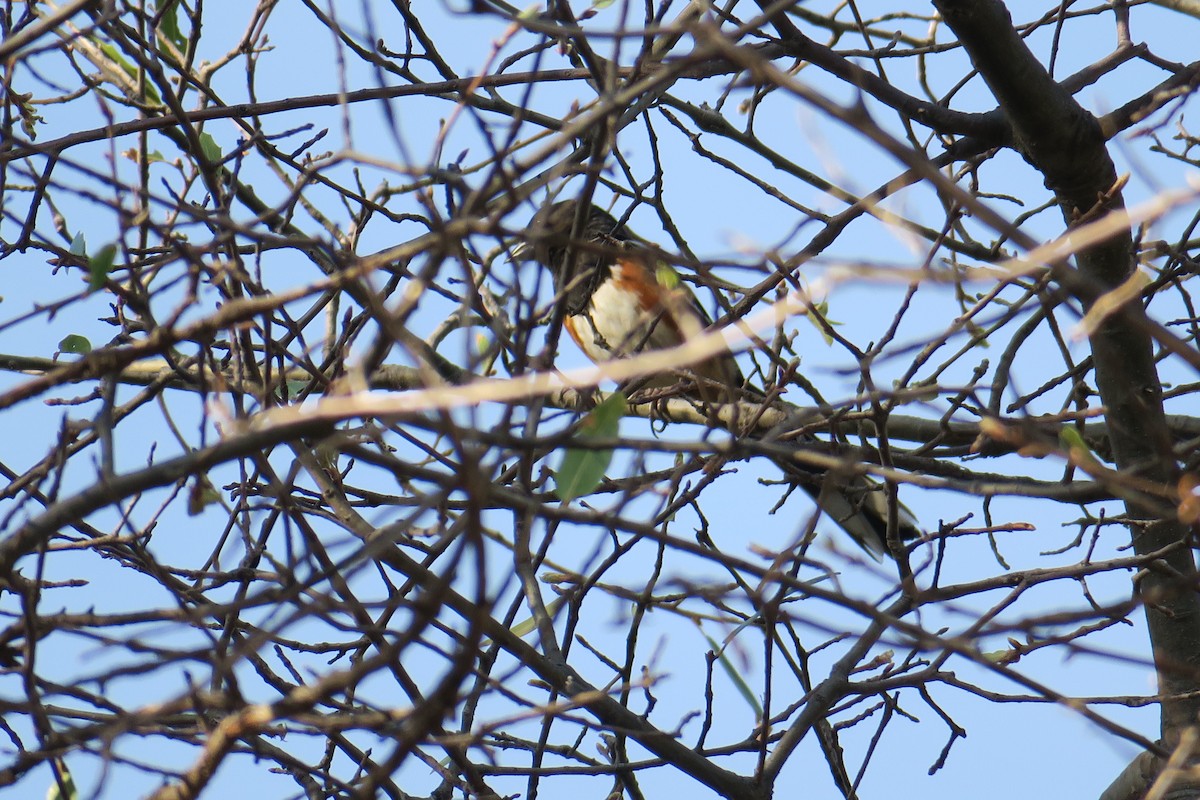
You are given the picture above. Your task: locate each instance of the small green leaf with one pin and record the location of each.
(529, 625)
(603, 421)
(201, 494)
(114, 55)
(75, 344)
(29, 116)
(209, 147)
(1001, 656)
(822, 308)
(666, 276)
(484, 346)
(78, 246)
(582, 470)
(1073, 442)
(295, 387)
(99, 266)
(168, 22)
(64, 787)
(734, 675)
(328, 454)
(603, 3)
(152, 157)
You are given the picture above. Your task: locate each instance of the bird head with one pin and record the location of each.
(548, 241)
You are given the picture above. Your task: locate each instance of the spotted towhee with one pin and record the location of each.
(620, 296)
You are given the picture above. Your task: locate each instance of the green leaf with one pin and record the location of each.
(65, 781)
(75, 344)
(201, 494)
(734, 675)
(295, 387)
(1001, 656)
(580, 473)
(99, 266)
(604, 420)
(666, 276)
(209, 148)
(1073, 442)
(29, 116)
(78, 246)
(114, 55)
(822, 308)
(168, 22)
(152, 157)
(582, 470)
(603, 3)
(529, 625)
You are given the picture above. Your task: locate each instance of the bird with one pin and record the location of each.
(616, 303)
(621, 297)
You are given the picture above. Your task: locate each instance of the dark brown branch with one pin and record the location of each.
(1066, 144)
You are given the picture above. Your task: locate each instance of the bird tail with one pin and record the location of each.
(858, 504)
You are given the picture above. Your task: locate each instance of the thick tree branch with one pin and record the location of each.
(1066, 144)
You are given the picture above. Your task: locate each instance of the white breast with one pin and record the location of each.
(615, 324)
